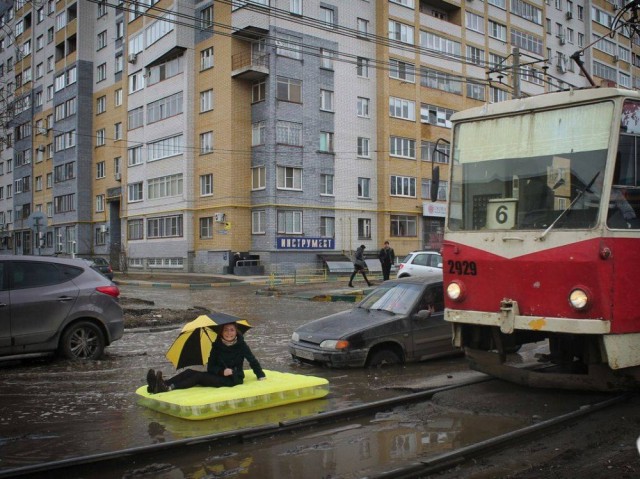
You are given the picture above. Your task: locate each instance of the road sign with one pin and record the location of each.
(37, 220)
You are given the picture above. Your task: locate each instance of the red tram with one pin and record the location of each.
(542, 239)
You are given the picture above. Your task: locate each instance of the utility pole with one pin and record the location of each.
(516, 72)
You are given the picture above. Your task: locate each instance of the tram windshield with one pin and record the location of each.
(521, 172)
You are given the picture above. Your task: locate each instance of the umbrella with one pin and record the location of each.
(193, 344)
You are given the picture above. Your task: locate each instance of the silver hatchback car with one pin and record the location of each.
(62, 305)
(420, 264)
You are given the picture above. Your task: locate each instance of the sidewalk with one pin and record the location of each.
(323, 289)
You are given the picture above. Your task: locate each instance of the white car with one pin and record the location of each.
(420, 264)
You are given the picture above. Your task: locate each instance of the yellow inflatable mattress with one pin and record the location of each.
(205, 403)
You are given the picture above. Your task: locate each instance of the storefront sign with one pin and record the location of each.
(438, 210)
(305, 243)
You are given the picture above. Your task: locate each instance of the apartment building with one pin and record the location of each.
(170, 135)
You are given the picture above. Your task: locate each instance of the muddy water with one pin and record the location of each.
(52, 410)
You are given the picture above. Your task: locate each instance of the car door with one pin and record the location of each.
(421, 265)
(431, 335)
(41, 299)
(5, 309)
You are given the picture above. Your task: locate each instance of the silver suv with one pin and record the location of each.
(59, 305)
(420, 264)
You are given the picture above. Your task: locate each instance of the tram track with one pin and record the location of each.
(82, 466)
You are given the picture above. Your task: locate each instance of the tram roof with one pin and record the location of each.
(546, 100)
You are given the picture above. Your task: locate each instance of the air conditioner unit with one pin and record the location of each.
(219, 217)
(132, 58)
(561, 39)
(118, 176)
(616, 58)
(103, 228)
(569, 15)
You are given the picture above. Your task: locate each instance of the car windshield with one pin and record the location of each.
(395, 298)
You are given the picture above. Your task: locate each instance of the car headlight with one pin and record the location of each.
(579, 299)
(335, 344)
(295, 337)
(455, 291)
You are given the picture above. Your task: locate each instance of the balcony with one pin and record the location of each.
(248, 66)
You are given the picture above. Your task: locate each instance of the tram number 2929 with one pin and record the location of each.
(462, 267)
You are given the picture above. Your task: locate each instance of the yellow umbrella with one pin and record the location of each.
(193, 344)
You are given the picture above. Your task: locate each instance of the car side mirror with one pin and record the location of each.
(423, 314)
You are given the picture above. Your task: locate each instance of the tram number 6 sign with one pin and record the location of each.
(501, 213)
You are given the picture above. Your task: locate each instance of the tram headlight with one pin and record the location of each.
(579, 299)
(455, 291)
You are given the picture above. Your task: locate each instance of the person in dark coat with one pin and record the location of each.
(387, 257)
(224, 368)
(359, 266)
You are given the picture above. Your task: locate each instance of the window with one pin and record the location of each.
(475, 55)
(364, 188)
(102, 40)
(159, 28)
(206, 184)
(258, 178)
(258, 222)
(363, 107)
(326, 185)
(100, 170)
(290, 222)
(363, 27)
(497, 30)
(117, 96)
(327, 16)
(400, 108)
(136, 81)
(206, 58)
(206, 18)
(135, 118)
(327, 226)
(326, 58)
(258, 132)
(400, 32)
(289, 178)
(134, 192)
(134, 156)
(100, 137)
(101, 72)
(326, 100)
(363, 147)
(164, 227)
(119, 63)
(135, 229)
(258, 91)
(117, 131)
(64, 203)
(497, 95)
(436, 115)
(364, 228)
(326, 142)
(99, 203)
(402, 71)
(474, 22)
(402, 147)
(165, 148)
(206, 100)
(206, 142)
(475, 91)
(289, 46)
(206, 227)
(362, 67)
(101, 105)
(428, 152)
(164, 186)
(288, 89)
(403, 186)
(164, 108)
(295, 7)
(289, 133)
(403, 226)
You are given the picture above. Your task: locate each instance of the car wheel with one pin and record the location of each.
(383, 357)
(403, 276)
(82, 340)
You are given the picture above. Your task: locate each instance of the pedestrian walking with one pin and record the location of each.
(359, 266)
(387, 258)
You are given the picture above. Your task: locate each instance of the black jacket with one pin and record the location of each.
(387, 256)
(223, 356)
